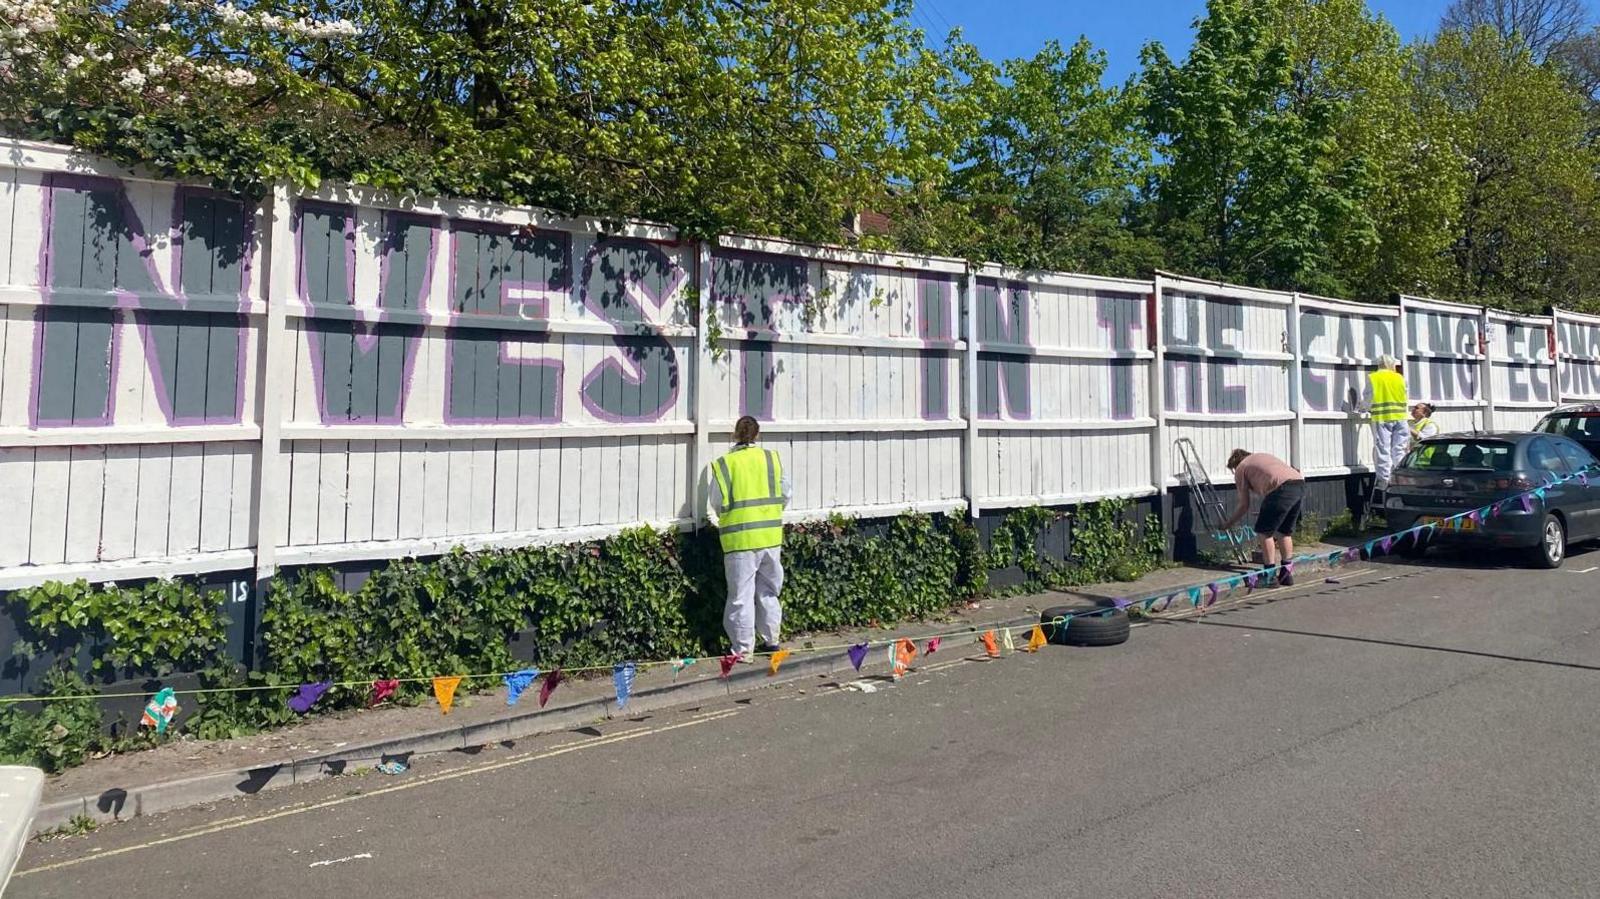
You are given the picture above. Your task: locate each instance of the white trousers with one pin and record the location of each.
(1390, 441)
(755, 578)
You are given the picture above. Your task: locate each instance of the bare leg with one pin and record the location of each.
(1269, 551)
(1287, 547)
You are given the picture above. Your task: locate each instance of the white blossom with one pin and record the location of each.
(133, 79)
(72, 61)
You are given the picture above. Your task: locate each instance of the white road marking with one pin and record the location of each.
(335, 861)
(1587, 570)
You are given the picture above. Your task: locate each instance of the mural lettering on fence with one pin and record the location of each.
(1003, 349)
(623, 281)
(757, 284)
(1202, 356)
(1349, 375)
(501, 372)
(98, 265)
(936, 329)
(1120, 316)
(361, 370)
(1527, 377)
(1444, 333)
(1580, 365)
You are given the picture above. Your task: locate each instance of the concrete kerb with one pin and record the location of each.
(115, 803)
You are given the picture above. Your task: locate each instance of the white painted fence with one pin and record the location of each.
(190, 383)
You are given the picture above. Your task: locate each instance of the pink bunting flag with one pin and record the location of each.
(548, 686)
(1249, 583)
(727, 662)
(858, 654)
(1475, 516)
(933, 646)
(382, 690)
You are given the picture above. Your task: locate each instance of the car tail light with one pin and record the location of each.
(1518, 483)
(1401, 479)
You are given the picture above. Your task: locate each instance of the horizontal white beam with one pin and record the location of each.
(1069, 281)
(1180, 284)
(883, 510)
(480, 211)
(1458, 309)
(813, 338)
(1348, 307)
(1063, 352)
(845, 255)
(438, 546)
(1235, 418)
(119, 436)
(110, 299)
(1577, 317)
(1242, 355)
(132, 569)
(1065, 499)
(1068, 424)
(370, 315)
(482, 432)
(846, 425)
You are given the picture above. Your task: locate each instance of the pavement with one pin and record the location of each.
(1413, 730)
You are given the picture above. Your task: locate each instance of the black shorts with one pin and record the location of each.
(1280, 510)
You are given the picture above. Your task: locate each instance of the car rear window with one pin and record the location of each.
(1577, 425)
(1461, 454)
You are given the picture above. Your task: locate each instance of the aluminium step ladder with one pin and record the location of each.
(1213, 512)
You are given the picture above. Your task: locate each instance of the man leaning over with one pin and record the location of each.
(1282, 489)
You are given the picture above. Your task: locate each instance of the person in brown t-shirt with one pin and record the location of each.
(1282, 489)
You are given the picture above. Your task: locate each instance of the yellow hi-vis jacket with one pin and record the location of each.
(1388, 396)
(751, 512)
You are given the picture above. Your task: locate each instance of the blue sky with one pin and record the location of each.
(1006, 28)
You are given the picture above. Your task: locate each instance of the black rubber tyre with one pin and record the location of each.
(1092, 624)
(1552, 548)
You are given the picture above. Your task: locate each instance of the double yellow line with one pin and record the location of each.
(471, 771)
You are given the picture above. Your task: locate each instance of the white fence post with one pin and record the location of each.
(1158, 405)
(1555, 356)
(700, 376)
(275, 377)
(1297, 430)
(1486, 367)
(969, 392)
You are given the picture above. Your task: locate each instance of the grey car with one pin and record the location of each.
(1445, 476)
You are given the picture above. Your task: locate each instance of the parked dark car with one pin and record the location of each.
(1579, 422)
(1447, 475)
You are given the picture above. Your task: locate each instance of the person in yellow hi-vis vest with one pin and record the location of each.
(748, 492)
(1386, 403)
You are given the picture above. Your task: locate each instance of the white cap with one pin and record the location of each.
(1389, 362)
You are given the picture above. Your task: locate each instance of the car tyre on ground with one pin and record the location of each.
(1552, 548)
(1092, 624)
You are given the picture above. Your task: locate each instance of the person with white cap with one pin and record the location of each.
(1386, 404)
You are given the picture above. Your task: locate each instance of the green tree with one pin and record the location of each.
(756, 115)
(1282, 134)
(1526, 224)
(1049, 167)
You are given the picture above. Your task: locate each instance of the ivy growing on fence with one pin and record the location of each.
(643, 594)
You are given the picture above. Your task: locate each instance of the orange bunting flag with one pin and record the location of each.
(904, 652)
(775, 661)
(1036, 638)
(444, 690)
(989, 646)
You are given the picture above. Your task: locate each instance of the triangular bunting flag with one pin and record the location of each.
(1006, 641)
(383, 689)
(1036, 639)
(307, 696)
(1149, 603)
(1249, 583)
(1213, 588)
(1527, 503)
(679, 664)
(159, 710)
(548, 686)
(904, 652)
(727, 662)
(1475, 516)
(519, 681)
(858, 654)
(1385, 544)
(622, 675)
(775, 661)
(444, 690)
(989, 645)
(1194, 596)
(933, 646)
(1059, 625)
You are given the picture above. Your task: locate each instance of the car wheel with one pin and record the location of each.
(1092, 624)
(1552, 548)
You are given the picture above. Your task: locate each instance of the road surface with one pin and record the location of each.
(1413, 731)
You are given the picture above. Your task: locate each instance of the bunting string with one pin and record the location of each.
(901, 650)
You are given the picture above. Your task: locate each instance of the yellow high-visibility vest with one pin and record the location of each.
(752, 499)
(1388, 396)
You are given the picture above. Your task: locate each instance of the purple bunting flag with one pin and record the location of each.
(858, 654)
(1213, 588)
(307, 696)
(519, 681)
(1249, 582)
(1386, 544)
(1353, 554)
(1527, 503)
(1475, 516)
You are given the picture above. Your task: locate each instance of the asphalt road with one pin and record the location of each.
(1412, 731)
